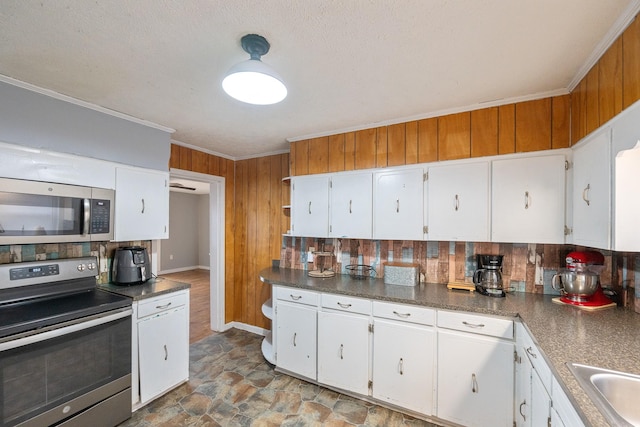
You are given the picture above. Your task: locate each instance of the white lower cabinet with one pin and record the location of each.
(296, 338)
(475, 370)
(343, 352)
(162, 332)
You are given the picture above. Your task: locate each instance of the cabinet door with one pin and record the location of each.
(528, 200)
(310, 206)
(523, 391)
(627, 202)
(475, 379)
(163, 341)
(540, 402)
(351, 206)
(592, 192)
(398, 204)
(296, 339)
(458, 202)
(343, 355)
(403, 363)
(142, 205)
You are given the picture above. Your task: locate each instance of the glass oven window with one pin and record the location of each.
(40, 376)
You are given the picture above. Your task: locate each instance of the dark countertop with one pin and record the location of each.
(607, 338)
(149, 289)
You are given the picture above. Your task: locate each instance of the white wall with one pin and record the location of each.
(203, 230)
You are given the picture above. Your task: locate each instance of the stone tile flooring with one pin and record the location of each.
(232, 385)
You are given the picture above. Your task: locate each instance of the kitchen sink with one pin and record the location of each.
(614, 393)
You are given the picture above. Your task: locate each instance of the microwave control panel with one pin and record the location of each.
(100, 216)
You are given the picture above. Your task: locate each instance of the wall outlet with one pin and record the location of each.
(310, 256)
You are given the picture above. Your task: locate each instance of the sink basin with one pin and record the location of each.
(614, 393)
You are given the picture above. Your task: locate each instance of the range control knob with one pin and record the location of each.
(81, 267)
(91, 266)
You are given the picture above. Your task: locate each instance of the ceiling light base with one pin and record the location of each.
(255, 45)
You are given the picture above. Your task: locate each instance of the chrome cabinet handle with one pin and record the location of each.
(531, 353)
(295, 334)
(350, 206)
(341, 351)
(526, 200)
(295, 297)
(166, 353)
(404, 315)
(343, 305)
(309, 207)
(401, 366)
(474, 383)
(397, 205)
(473, 325)
(524, 402)
(457, 203)
(142, 206)
(585, 194)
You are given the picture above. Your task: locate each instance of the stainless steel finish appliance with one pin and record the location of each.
(44, 212)
(65, 346)
(488, 276)
(130, 265)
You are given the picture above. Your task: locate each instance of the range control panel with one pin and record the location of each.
(37, 271)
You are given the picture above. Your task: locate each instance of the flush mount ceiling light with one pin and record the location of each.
(252, 81)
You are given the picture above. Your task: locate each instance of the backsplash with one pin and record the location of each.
(103, 251)
(526, 267)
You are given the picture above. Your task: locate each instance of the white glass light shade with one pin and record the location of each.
(254, 82)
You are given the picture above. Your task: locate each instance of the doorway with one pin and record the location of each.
(214, 251)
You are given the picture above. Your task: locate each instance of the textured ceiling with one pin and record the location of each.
(347, 63)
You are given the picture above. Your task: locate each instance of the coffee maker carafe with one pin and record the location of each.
(488, 276)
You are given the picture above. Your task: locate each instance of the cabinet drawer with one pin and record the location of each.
(345, 303)
(460, 321)
(300, 296)
(161, 303)
(530, 350)
(404, 312)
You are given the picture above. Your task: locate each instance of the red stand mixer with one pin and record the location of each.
(579, 282)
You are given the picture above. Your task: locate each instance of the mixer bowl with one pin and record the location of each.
(578, 284)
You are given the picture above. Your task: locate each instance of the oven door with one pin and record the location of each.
(58, 375)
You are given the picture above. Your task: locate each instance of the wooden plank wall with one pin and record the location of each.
(255, 222)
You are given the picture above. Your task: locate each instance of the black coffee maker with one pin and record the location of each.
(488, 276)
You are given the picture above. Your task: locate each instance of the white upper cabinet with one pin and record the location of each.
(458, 202)
(310, 205)
(398, 204)
(592, 191)
(351, 205)
(528, 199)
(142, 204)
(627, 200)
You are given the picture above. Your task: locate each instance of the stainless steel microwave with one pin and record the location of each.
(44, 212)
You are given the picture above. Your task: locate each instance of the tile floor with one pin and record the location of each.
(232, 385)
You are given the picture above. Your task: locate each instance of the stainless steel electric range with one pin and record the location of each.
(65, 346)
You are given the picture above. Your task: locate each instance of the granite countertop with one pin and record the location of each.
(150, 288)
(607, 338)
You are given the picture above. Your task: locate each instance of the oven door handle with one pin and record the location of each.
(65, 330)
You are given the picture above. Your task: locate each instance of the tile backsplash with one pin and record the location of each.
(526, 267)
(103, 251)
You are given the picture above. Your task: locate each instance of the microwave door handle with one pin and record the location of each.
(86, 208)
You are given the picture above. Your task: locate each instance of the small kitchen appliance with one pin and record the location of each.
(579, 282)
(488, 276)
(130, 266)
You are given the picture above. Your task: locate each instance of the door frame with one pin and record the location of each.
(216, 243)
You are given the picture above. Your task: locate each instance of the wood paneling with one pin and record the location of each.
(301, 157)
(560, 122)
(365, 149)
(227, 170)
(234, 301)
(336, 153)
(199, 161)
(174, 160)
(593, 110)
(214, 165)
(484, 132)
(185, 158)
(396, 145)
(610, 82)
(382, 147)
(319, 155)
(349, 151)
(427, 140)
(411, 143)
(631, 64)
(507, 129)
(579, 112)
(533, 125)
(454, 136)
